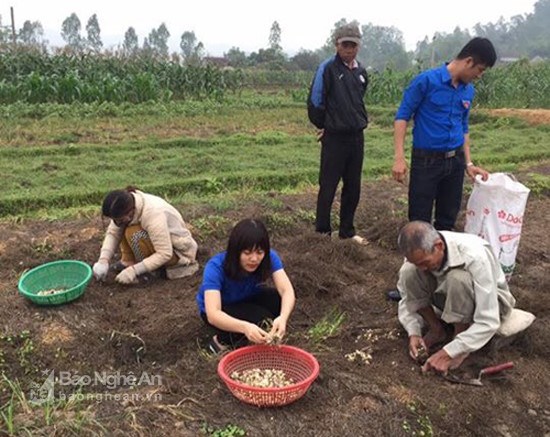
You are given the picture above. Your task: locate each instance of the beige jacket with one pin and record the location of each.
(167, 231)
(489, 290)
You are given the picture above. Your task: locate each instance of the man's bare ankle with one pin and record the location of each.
(434, 336)
(460, 327)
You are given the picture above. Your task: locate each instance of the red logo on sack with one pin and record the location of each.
(510, 218)
(507, 237)
(486, 211)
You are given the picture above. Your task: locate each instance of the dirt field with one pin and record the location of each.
(532, 116)
(155, 328)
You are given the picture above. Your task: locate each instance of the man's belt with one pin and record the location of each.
(421, 153)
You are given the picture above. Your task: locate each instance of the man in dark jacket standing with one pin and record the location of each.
(336, 107)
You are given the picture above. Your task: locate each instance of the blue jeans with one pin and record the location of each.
(439, 180)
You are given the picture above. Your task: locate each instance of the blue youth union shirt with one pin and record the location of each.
(440, 110)
(214, 278)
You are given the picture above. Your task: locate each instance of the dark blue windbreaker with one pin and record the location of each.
(335, 101)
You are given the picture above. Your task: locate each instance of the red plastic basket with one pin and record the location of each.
(297, 364)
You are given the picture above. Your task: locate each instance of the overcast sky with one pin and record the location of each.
(222, 24)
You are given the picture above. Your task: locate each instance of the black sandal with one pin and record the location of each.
(215, 348)
(393, 295)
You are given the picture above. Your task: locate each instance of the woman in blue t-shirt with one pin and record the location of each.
(233, 298)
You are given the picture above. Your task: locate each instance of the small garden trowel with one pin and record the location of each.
(483, 372)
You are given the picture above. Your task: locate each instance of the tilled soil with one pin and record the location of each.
(155, 328)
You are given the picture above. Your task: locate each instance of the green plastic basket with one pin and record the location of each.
(72, 276)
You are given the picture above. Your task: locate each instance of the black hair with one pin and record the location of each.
(481, 50)
(248, 234)
(118, 203)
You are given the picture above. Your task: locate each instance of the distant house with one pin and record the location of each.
(216, 61)
(511, 60)
(537, 60)
(508, 60)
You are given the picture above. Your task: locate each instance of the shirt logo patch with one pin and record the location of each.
(466, 104)
(361, 78)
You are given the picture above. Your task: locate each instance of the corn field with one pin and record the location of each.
(32, 77)
(519, 85)
(37, 78)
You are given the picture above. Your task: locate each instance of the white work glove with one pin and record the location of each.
(100, 269)
(127, 276)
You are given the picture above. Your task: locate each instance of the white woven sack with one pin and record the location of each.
(495, 212)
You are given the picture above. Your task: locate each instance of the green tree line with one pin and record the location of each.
(522, 36)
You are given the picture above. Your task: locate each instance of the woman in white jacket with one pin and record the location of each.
(151, 234)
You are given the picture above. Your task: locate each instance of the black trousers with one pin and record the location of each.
(439, 180)
(263, 306)
(341, 158)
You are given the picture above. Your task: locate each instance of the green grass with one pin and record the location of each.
(538, 184)
(420, 425)
(256, 144)
(22, 416)
(24, 408)
(328, 326)
(229, 430)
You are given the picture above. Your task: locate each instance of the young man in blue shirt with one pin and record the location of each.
(439, 101)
